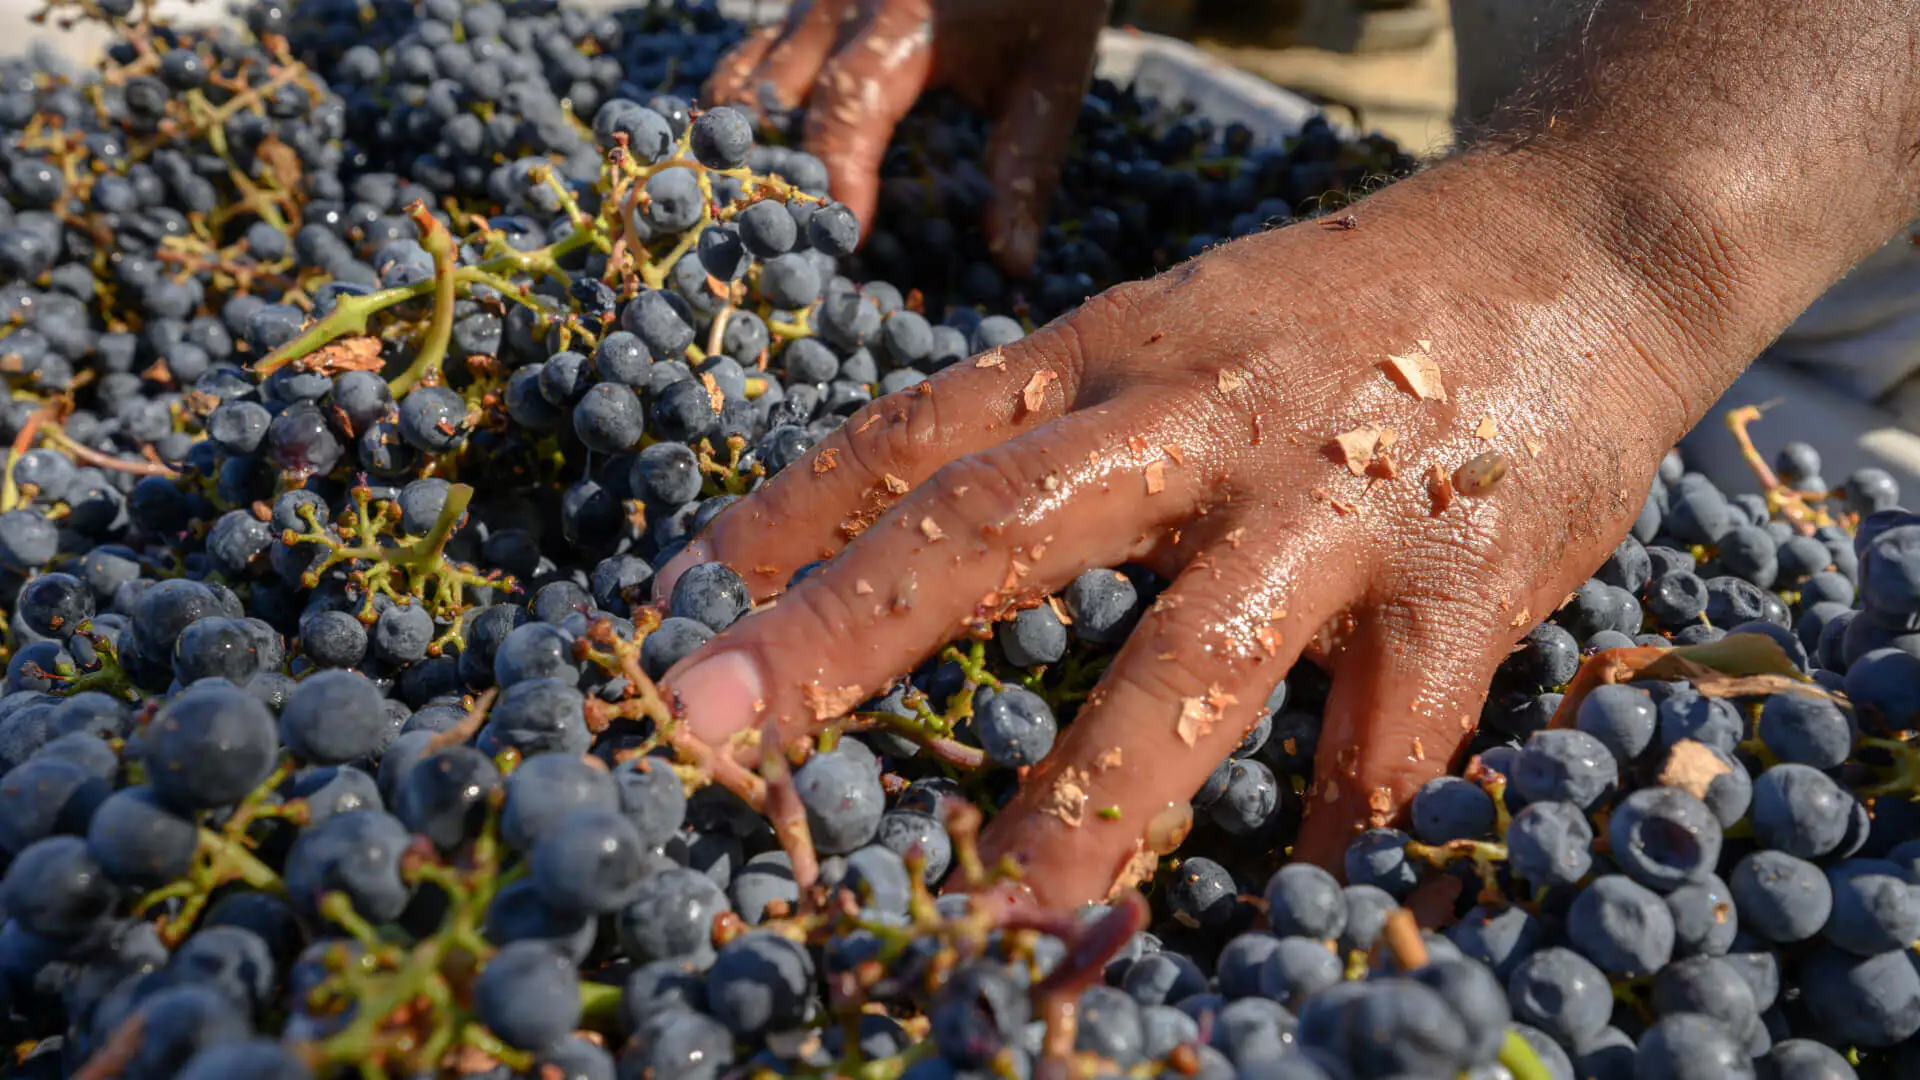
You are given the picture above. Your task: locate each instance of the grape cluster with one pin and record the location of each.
(366, 362)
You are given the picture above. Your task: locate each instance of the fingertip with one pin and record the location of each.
(719, 694)
(1013, 234)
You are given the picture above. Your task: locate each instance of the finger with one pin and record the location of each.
(1030, 137)
(1192, 680)
(1015, 521)
(792, 66)
(1408, 684)
(735, 73)
(863, 91)
(819, 503)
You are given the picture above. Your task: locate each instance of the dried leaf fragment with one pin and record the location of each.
(1692, 767)
(1156, 474)
(1138, 867)
(827, 703)
(1521, 618)
(1035, 394)
(1379, 806)
(894, 484)
(715, 396)
(1355, 449)
(1486, 430)
(991, 359)
(1417, 374)
(1533, 445)
(825, 463)
(930, 529)
(1067, 798)
(1439, 490)
(1108, 759)
(347, 354)
(1198, 715)
(1229, 381)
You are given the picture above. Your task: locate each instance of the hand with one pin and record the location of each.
(1193, 423)
(859, 65)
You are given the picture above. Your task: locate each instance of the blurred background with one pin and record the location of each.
(1383, 65)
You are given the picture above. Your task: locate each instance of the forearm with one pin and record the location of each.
(1722, 163)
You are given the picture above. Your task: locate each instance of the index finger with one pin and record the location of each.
(864, 91)
(1116, 791)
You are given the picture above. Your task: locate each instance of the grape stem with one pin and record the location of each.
(1520, 1060)
(433, 348)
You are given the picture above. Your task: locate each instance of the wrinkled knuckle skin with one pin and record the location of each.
(905, 435)
(1145, 681)
(988, 489)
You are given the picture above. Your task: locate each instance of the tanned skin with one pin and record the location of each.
(1586, 280)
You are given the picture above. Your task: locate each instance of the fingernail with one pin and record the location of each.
(694, 555)
(719, 694)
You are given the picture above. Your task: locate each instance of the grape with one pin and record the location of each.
(1624, 928)
(44, 796)
(1664, 838)
(1684, 1046)
(138, 841)
(548, 787)
(528, 995)
(1781, 898)
(54, 887)
(1804, 1059)
(445, 796)
(334, 717)
(759, 982)
(1798, 810)
(1875, 907)
(843, 800)
(1297, 969)
(710, 594)
(1378, 857)
(357, 854)
(1561, 993)
(1548, 844)
(678, 1042)
(590, 861)
(1166, 977)
(1565, 766)
(1304, 900)
(1498, 939)
(670, 916)
(209, 747)
(978, 1012)
(1015, 727)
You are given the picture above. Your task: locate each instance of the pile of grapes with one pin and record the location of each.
(366, 362)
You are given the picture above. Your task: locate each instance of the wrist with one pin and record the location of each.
(1670, 275)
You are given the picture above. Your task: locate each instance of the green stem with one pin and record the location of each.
(1520, 1060)
(235, 860)
(598, 1002)
(433, 349)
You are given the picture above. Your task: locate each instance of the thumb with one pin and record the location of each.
(1407, 691)
(863, 92)
(1037, 114)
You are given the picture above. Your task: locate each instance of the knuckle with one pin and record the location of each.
(894, 434)
(985, 489)
(812, 612)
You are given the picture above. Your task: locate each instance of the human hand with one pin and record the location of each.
(1195, 423)
(859, 65)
